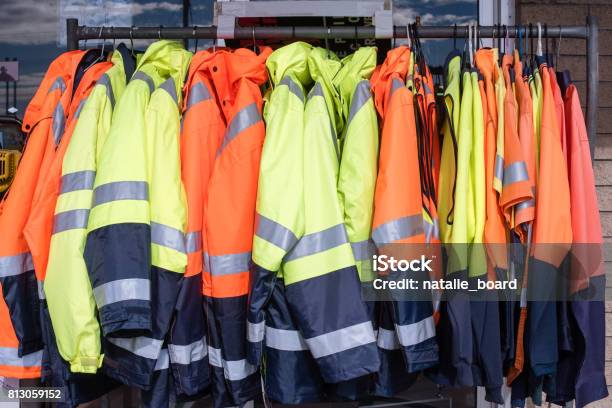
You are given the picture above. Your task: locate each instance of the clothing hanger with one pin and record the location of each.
(471, 43)
(455, 37)
(558, 47)
(159, 36)
(101, 56)
(132, 41)
(195, 48)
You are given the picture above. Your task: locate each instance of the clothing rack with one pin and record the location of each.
(588, 32)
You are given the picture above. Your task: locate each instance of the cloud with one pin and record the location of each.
(407, 15)
(26, 87)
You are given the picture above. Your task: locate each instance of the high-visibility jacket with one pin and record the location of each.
(75, 323)
(587, 268)
(20, 333)
(559, 108)
(308, 236)
(135, 252)
(201, 135)
(398, 206)
(231, 194)
(552, 237)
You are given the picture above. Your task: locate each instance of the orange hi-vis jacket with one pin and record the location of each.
(20, 333)
(495, 231)
(559, 109)
(40, 224)
(230, 168)
(398, 206)
(516, 187)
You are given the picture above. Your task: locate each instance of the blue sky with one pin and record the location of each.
(31, 30)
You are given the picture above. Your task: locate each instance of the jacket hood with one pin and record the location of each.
(397, 63)
(486, 61)
(324, 65)
(292, 60)
(168, 59)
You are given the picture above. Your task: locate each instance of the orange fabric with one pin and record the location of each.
(227, 176)
(495, 232)
(39, 227)
(587, 252)
(516, 187)
(553, 223)
(399, 159)
(16, 205)
(559, 109)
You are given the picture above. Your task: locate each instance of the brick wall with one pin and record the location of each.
(573, 52)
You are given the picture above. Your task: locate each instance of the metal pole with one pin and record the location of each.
(15, 94)
(311, 32)
(186, 9)
(7, 97)
(72, 38)
(592, 80)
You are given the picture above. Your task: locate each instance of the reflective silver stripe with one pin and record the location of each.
(167, 236)
(146, 78)
(427, 88)
(499, 167)
(387, 339)
(525, 204)
(206, 262)
(121, 290)
(79, 180)
(293, 87)
(186, 354)
(15, 264)
(69, 220)
(229, 264)
(415, 333)
(58, 123)
(244, 119)
(163, 361)
(193, 241)
(398, 229)
(255, 331)
(248, 404)
(515, 173)
(169, 86)
(232, 370)
(340, 340)
(285, 340)
(41, 289)
(523, 297)
(316, 90)
(318, 242)
(121, 190)
(141, 346)
(431, 230)
(197, 94)
(58, 84)
(360, 97)
(77, 113)
(395, 85)
(9, 357)
(363, 250)
(275, 233)
(106, 82)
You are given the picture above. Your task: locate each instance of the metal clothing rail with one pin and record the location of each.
(588, 32)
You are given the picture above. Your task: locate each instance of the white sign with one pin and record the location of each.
(9, 71)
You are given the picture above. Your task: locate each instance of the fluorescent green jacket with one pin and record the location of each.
(359, 151)
(450, 129)
(74, 319)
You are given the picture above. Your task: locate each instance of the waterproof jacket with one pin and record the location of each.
(20, 334)
(135, 251)
(398, 206)
(76, 328)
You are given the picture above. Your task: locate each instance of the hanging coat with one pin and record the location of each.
(135, 251)
(21, 336)
(312, 243)
(229, 222)
(398, 206)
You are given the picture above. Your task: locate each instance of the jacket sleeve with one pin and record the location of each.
(279, 222)
(75, 324)
(118, 247)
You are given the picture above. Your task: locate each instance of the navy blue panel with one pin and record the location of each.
(392, 378)
(542, 318)
(78, 388)
(118, 251)
(191, 379)
(158, 396)
(278, 314)
(229, 315)
(131, 317)
(355, 389)
(292, 377)
(165, 287)
(349, 364)
(458, 309)
(312, 307)
(21, 296)
(262, 285)
(220, 394)
(126, 367)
